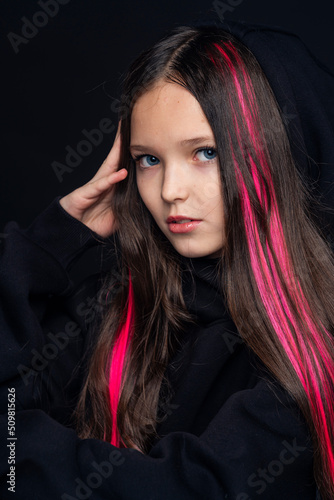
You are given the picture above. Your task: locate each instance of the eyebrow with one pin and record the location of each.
(185, 142)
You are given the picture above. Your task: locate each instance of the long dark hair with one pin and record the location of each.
(279, 271)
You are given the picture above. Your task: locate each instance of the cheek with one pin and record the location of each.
(211, 191)
(146, 191)
(140, 186)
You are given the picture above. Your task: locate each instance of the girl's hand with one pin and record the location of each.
(91, 203)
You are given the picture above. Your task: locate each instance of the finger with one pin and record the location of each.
(95, 188)
(111, 163)
(114, 154)
(118, 129)
(116, 145)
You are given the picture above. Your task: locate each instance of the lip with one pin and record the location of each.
(173, 218)
(185, 227)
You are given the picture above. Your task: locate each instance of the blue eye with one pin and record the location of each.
(146, 160)
(208, 154)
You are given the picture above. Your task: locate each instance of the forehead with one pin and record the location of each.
(167, 111)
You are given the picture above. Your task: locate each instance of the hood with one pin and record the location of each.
(304, 89)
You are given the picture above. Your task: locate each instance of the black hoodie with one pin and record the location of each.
(228, 430)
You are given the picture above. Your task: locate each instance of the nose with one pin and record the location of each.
(175, 183)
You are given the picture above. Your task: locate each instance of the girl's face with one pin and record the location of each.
(177, 169)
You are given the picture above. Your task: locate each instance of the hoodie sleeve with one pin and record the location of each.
(34, 279)
(255, 447)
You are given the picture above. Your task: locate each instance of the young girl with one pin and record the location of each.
(209, 371)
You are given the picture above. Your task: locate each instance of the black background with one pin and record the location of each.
(66, 79)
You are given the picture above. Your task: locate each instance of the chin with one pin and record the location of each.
(197, 253)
